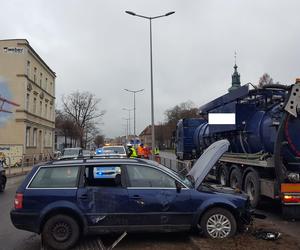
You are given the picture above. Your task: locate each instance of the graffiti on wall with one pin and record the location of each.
(6, 106)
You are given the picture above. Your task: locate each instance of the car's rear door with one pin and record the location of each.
(103, 197)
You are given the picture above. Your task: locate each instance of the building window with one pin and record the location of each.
(50, 116)
(50, 139)
(34, 137)
(51, 88)
(34, 105)
(28, 69)
(46, 109)
(46, 84)
(27, 102)
(46, 139)
(41, 108)
(27, 136)
(34, 75)
(41, 79)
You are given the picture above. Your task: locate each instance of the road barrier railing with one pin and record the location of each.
(176, 165)
(24, 163)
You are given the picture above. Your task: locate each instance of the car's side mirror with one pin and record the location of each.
(178, 186)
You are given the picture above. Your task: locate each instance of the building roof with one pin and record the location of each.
(25, 42)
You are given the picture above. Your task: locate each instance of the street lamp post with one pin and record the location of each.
(151, 69)
(134, 120)
(129, 110)
(127, 120)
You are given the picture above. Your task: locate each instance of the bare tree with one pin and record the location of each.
(165, 130)
(266, 79)
(183, 110)
(65, 127)
(82, 107)
(99, 140)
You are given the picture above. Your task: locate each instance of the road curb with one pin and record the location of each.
(16, 174)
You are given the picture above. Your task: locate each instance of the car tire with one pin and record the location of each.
(252, 188)
(60, 232)
(218, 223)
(235, 179)
(2, 184)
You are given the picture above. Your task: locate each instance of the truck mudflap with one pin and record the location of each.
(290, 194)
(290, 199)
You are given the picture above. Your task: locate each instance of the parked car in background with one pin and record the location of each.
(112, 151)
(126, 195)
(71, 153)
(86, 153)
(2, 177)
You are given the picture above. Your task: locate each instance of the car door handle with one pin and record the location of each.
(136, 197)
(83, 197)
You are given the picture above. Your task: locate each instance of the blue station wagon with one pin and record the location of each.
(62, 200)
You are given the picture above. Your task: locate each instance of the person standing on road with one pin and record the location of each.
(141, 151)
(131, 151)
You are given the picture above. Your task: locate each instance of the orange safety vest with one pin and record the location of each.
(140, 151)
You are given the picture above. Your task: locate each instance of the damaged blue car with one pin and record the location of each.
(62, 200)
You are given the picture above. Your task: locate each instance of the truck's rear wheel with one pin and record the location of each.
(236, 178)
(223, 175)
(252, 188)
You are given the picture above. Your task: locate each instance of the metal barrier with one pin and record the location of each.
(176, 165)
(24, 163)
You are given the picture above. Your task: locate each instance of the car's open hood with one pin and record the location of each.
(207, 160)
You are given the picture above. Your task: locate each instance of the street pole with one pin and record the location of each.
(151, 71)
(134, 108)
(129, 110)
(126, 127)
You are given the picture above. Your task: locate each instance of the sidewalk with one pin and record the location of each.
(16, 171)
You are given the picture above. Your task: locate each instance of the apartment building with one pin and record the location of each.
(31, 84)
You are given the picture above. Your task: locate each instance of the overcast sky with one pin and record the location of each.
(94, 46)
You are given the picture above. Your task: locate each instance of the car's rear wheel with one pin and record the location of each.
(2, 183)
(60, 232)
(218, 223)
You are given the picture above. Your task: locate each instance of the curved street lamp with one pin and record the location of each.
(129, 110)
(150, 18)
(134, 120)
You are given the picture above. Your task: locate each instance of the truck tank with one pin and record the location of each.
(266, 119)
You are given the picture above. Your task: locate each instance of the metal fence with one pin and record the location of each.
(24, 163)
(176, 165)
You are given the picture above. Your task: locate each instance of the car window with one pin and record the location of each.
(114, 150)
(55, 177)
(143, 176)
(103, 176)
(68, 152)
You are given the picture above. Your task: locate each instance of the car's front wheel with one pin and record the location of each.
(218, 223)
(60, 232)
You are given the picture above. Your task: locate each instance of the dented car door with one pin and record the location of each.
(154, 201)
(103, 198)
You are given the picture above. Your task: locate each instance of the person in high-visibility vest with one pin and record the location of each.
(147, 152)
(156, 151)
(131, 151)
(140, 151)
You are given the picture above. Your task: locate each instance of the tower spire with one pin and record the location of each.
(235, 82)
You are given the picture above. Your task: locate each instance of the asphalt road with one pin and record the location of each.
(10, 237)
(14, 239)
